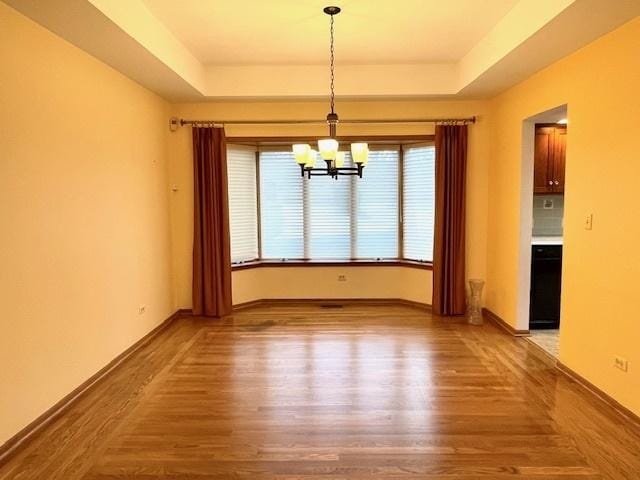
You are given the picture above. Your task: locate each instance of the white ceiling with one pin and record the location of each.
(296, 32)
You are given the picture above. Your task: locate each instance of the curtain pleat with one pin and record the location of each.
(211, 287)
(449, 242)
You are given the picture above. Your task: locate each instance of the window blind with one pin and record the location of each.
(281, 206)
(376, 209)
(418, 202)
(243, 215)
(329, 216)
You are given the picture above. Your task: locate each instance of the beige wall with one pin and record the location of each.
(85, 222)
(601, 267)
(322, 282)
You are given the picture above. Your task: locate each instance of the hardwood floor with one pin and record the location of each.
(352, 393)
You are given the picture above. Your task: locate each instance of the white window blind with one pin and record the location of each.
(243, 214)
(329, 216)
(281, 206)
(376, 211)
(418, 202)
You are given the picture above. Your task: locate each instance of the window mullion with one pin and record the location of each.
(353, 216)
(401, 203)
(258, 211)
(306, 220)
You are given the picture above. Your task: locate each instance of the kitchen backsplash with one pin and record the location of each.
(547, 221)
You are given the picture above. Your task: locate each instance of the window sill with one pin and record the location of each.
(331, 263)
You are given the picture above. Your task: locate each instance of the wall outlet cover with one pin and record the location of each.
(547, 204)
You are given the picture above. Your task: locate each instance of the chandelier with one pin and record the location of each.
(328, 148)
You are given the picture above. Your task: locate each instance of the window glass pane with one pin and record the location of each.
(281, 207)
(377, 206)
(243, 216)
(418, 202)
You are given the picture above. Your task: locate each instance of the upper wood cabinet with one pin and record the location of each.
(549, 158)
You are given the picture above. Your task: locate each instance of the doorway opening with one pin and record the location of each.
(541, 227)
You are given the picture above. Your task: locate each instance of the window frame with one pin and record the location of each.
(400, 141)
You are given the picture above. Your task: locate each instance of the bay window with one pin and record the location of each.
(276, 215)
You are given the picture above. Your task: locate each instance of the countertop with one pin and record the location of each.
(546, 240)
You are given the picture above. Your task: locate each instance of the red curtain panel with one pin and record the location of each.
(449, 242)
(211, 242)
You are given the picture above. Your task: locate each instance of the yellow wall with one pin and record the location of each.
(85, 217)
(322, 282)
(314, 281)
(601, 267)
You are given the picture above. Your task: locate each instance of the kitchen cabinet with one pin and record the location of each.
(549, 158)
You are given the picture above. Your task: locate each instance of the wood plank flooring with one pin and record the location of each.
(302, 392)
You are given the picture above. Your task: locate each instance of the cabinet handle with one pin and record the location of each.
(550, 182)
(557, 182)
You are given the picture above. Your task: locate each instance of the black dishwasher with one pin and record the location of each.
(546, 281)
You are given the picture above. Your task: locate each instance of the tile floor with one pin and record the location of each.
(548, 340)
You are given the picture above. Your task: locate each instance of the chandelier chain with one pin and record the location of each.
(332, 74)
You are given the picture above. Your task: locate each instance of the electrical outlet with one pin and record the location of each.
(588, 222)
(142, 309)
(342, 278)
(621, 363)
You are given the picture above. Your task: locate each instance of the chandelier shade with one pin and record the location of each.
(360, 153)
(301, 153)
(328, 148)
(312, 156)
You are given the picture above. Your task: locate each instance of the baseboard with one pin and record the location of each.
(412, 303)
(331, 301)
(504, 325)
(22, 438)
(553, 362)
(541, 353)
(245, 305)
(603, 396)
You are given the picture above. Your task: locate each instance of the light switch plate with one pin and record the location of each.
(588, 222)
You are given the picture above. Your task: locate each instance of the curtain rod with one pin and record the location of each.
(175, 122)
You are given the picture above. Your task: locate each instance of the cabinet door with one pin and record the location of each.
(559, 154)
(543, 160)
